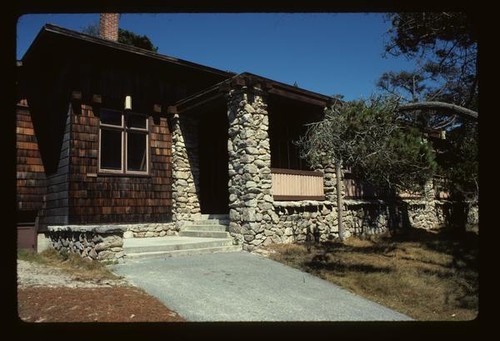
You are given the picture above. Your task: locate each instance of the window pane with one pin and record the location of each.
(111, 117)
(136, 121)
(111, 149)
(136, 152)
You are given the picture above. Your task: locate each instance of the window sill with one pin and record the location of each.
(120, 175)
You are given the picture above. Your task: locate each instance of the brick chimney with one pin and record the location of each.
(108, 26)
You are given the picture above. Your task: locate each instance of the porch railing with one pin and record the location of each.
(356, 189)
(289, 184)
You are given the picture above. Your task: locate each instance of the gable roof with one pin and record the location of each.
(53, 40)
(49, 33)
(271, 86)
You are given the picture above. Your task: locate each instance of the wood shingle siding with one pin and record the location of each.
(30, 174)
(118, 198)
(57, 200)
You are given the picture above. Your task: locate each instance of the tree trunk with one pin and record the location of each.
(338, 164)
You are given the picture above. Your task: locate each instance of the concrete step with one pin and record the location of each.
(215, 216)
(210, 227)
(185, 252)
(171, 243)
(210, 222)
(203, 233)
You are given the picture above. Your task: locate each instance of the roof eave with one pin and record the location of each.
(59, 31)
(246, 79)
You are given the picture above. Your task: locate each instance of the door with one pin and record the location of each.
(214, 194)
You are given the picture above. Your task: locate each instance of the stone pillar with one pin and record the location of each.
(330, 189)
(330, 183)
(185, 166)
(250, 199)
(430, 213)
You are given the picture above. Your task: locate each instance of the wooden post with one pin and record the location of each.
(338, 164)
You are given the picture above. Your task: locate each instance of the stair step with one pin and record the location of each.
(176, 246)
(185, 252)
(214, 216)
(210, 222)
(162, 244)
(204, 234)
(211, 227)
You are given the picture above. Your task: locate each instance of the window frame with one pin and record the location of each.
(124, 132)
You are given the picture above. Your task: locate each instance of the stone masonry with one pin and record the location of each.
(257, 220)
(103, 242)
(97, 242)
(250, 200)
(185, 166)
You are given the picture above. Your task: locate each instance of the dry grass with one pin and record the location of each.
(428, 276)
(81, 269)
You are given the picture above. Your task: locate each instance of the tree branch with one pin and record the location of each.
(440, 105)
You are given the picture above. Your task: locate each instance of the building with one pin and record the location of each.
(115, 140)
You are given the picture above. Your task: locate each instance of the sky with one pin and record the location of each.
(328, 53)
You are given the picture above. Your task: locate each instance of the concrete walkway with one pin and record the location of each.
(239, 286)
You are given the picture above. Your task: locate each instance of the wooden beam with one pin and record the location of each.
(296, 172)
(198, 103)
(96, 99)
(157, 108)
(298, 97)
(172, 109)
(297, 197)
(238, 81)
(76, 95)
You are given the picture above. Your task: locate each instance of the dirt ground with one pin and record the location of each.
(48, 294)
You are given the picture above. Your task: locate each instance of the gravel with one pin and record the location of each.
(31, 274)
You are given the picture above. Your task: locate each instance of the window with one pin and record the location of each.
(123, 139)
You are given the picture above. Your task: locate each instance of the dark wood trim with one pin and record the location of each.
(157, 108)
(96, 99)
(56, 30)
(76, 95)
(297, 197)
(296, 172)
(198, 103)
(238, 81)
(102, 173)
(199, 97)
(250, 80)
(298, 97)
(171, 110)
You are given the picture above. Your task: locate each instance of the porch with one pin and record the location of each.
(234, 153)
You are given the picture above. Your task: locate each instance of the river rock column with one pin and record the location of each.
(250, 199)
(330, 183)
(185, 169)
(429, 220)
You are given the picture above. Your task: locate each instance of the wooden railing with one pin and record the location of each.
(289, 184)
(356, 189)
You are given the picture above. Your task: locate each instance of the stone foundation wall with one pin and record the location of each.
(150, 230)
(103, 242)
(473, 215)
(468, 211)
(366, 217)
(295, 221)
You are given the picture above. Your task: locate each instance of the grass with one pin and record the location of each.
(426, 275)
(80, 268)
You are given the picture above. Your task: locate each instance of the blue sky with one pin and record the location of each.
(329, 53)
